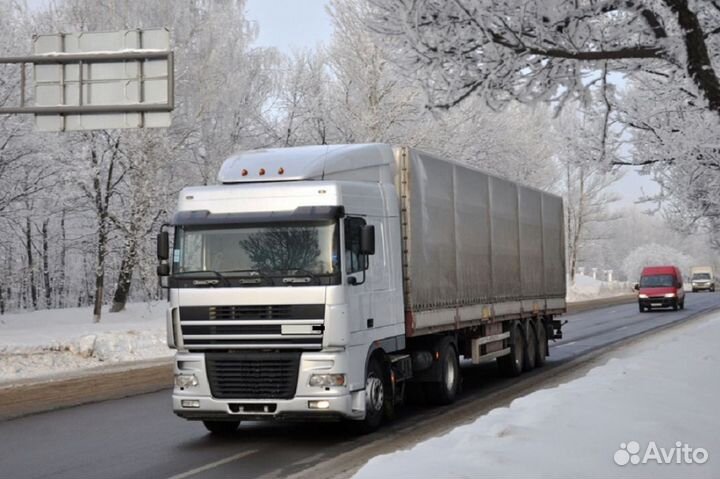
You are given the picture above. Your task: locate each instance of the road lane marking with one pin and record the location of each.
(565, 344)
(213, 465)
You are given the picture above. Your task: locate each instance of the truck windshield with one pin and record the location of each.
(288, 254)
(701, 276)
(657, 281)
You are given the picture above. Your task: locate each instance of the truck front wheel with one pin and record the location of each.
(375, 396)
(511, 365)
(221, 428)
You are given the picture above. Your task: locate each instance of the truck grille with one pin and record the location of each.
(253, 375)
(284, 326)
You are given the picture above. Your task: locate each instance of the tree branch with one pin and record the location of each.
(699, 65)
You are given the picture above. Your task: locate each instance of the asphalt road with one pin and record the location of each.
(139, 437)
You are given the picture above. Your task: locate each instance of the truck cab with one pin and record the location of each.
(661, 287)
(278, 292)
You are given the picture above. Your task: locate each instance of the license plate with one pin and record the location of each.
(655, 304)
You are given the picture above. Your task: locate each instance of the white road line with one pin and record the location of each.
(565, 344)
(213, 465)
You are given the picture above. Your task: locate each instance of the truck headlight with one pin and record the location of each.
(670, 295)
(186, 380)
(642, 296)
(327, 380)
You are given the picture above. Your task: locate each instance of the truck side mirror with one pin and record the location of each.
(367, 240)
(163, 246)
(163, 269)
(636, 287)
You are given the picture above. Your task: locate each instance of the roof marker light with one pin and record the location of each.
(281, 171)
(262, 171)
(244, 172)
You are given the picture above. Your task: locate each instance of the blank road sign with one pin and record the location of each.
(103, 80)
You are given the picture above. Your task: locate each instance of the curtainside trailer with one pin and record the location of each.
(330, 282)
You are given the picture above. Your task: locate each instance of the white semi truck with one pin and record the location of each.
(325, 282)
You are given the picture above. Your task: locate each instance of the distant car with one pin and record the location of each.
(702, 278)
(661, 287)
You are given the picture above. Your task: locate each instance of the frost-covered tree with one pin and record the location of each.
(654, 254)
(586, 145)
(663, 54)
(549, 49)
(677, 142)
(376, 103)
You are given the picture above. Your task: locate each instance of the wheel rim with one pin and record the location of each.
(450, 373)
(374, 393)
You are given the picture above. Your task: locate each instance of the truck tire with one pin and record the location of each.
(531, 347)
(511, 365)
(641, 307)
(376, 395)
(542, 344)
(675, 305)
(443, 392)
(222, 428)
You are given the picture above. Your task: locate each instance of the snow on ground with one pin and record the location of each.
(651, 398)
(585, 288)
(52, 341)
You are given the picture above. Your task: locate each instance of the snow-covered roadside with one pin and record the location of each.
(650, 399)
(43, 343)
(585, 288)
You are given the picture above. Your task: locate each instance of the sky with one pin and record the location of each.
(290, 24)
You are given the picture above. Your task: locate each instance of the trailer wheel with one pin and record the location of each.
(221, 428)
(511, 365)
(376, 394)
(531, 350)
(542, 344)
(444, 391)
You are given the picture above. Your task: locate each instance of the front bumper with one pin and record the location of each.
(340, 407)
(660, 302)
(699, 286)
(337, 402)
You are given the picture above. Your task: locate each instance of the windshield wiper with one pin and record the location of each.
(210, 271)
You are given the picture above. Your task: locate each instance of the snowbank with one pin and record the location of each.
(658, 398)
(48, 342)
(586, 288)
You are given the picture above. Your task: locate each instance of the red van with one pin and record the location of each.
(661, 287)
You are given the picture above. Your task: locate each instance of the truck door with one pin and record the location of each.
(360, 294)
